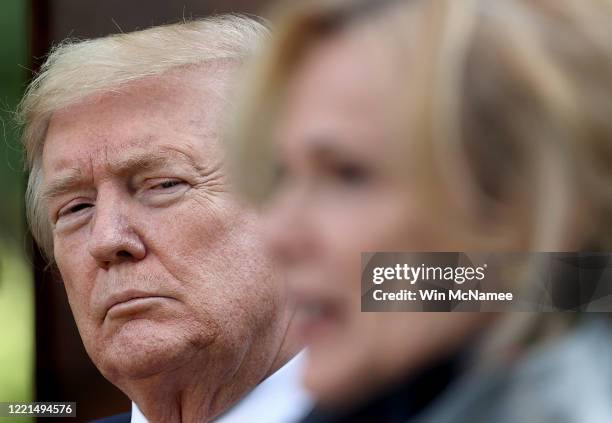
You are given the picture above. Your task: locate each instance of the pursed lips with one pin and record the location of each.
(127, 296)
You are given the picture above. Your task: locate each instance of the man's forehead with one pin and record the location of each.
(137, 155)
(138, 127)
(181, 97)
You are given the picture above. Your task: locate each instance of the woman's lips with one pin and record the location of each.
(318, 320)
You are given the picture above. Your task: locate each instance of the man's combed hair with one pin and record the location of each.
(76, 69)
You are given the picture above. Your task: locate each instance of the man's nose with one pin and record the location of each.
(113, 239)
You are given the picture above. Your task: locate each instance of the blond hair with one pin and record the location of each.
(509, 95)
(77, 69)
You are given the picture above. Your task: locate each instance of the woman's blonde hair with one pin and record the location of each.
(506, 95)
(76, 69)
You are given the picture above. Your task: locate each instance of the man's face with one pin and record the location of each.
(161, 264)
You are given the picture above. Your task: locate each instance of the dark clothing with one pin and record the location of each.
(397, 404)
(117, 418)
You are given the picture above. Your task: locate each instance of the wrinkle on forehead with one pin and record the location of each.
(101, 153)
(132, 162)
(151, 122)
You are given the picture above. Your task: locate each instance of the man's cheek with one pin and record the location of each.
(76, 300)
(200, 236)
(76, 287)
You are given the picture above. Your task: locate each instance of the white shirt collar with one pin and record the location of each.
(278, 399)
(137, 416)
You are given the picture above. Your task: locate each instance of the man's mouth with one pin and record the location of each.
(131, 302)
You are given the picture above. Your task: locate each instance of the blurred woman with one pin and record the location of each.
(436, 125)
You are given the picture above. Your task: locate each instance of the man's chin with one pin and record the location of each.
(143, 348)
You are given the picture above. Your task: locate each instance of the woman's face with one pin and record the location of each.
(343, 189)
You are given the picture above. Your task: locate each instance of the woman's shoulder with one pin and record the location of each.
(568, 380)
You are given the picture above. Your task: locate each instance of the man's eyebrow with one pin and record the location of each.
(63, 184)
(74, 178)
(150, 160)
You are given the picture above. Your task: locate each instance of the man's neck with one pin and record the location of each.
(189, 393)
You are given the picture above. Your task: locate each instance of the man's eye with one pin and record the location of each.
(74, 209)
(171, 183)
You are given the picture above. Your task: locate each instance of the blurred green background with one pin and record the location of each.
(16, 291)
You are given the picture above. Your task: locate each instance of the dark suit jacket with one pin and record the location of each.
(117, 418)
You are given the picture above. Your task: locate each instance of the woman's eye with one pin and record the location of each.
(349, 173)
